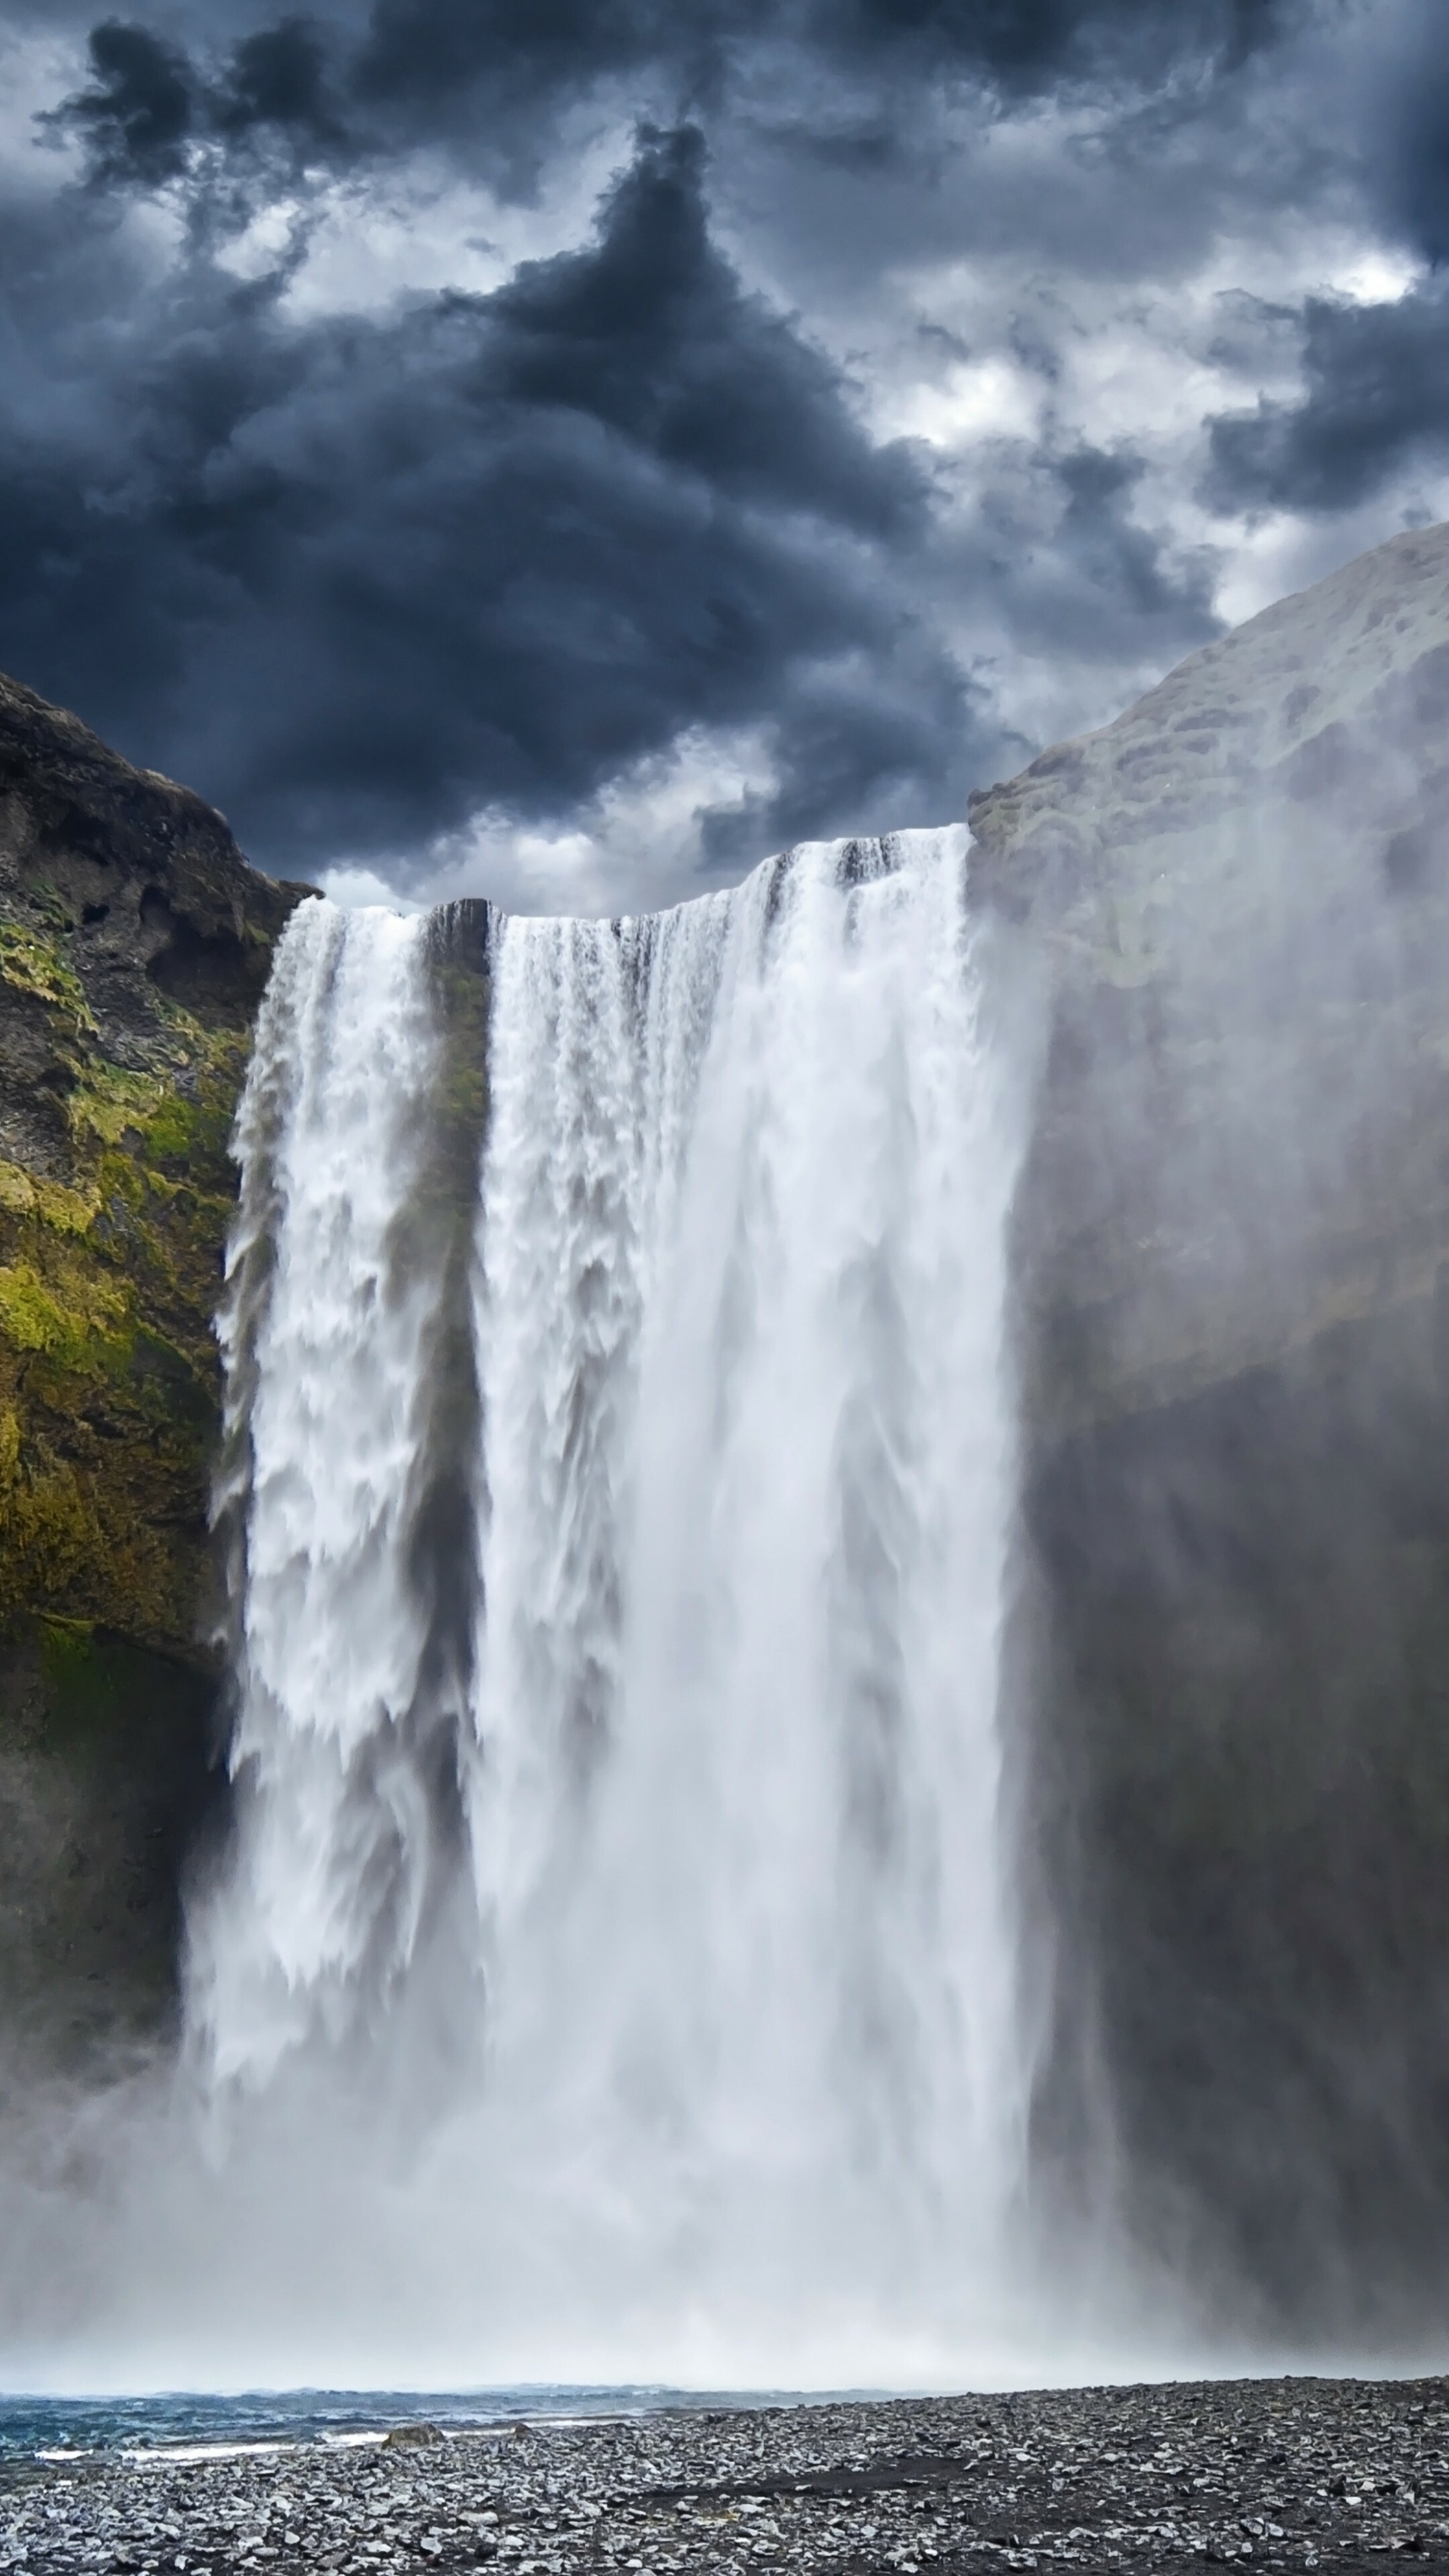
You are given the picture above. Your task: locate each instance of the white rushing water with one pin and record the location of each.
(701, 1883)
(326, 1345)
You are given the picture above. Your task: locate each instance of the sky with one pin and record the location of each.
(568, 449)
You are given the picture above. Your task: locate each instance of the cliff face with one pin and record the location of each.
(1243, 890)
(134, 945)
(1231, 1648)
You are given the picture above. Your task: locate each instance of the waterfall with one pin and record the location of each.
(326, 1341)
(713, 1820)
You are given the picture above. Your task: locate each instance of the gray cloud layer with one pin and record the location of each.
(367, 575)
(483, 77)
(363, 568)
(1376, 393)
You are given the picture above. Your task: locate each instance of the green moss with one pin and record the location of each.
(109, 1390)
(119, 1100)
(112, 1235)
(170, 1132)
(34, 1317)
(36, 964)
(109, 1278)
(110, 1101)
(45, 1541)
(47, 900)
(70, 1543)
(65, 1210)
(90, 1678)
(178, 1113)
(67, 1653)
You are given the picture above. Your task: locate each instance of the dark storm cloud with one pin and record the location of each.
(358, 579)
(1098, 585)
(139, 115)
(1118, 565)
(149, 107)
(1401, 117)
(1375, 398)
(491, 76)
(430, 52)
(1028, 42)
(361, 577)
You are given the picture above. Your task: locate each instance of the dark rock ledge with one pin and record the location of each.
(1283, 2474)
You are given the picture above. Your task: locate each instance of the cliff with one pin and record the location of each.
(1230, 1654)
(134, 945)
(1242, 887)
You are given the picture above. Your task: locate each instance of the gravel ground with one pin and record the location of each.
(1285, 2473)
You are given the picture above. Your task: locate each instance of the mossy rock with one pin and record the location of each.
(135, 942)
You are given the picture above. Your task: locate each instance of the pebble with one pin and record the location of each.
(1293, 2473)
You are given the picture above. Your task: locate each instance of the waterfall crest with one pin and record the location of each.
(717, 1812)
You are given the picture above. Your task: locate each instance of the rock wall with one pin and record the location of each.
(134, 944)
(105, 1787)
(1242, 891)
(1231, 1649)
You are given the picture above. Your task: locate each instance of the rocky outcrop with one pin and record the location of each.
(1231, 1649)
(134, 945)
(1243, 889)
